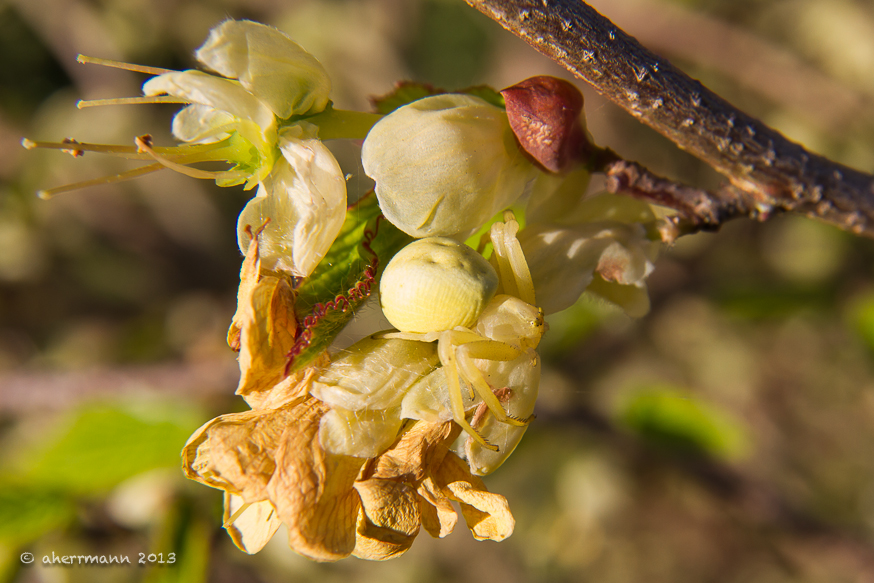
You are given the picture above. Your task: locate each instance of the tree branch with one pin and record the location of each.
(767, 171)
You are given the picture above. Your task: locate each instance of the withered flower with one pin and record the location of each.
(274, 469)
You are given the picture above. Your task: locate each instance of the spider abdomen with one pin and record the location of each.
(436, 284)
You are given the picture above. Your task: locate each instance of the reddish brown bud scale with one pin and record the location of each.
(544, 115)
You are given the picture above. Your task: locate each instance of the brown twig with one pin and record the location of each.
(768, 172)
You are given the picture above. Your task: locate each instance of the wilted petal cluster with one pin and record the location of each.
(273, 469)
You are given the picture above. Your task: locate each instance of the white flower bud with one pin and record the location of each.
(268, 64)
(444, 165)
(304, 196)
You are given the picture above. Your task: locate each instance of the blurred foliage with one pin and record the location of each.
(768, 328)
(678, 422)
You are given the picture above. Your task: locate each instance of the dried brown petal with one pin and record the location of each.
(249, 272)
(438, 516)
(487, 515)
(312, 490)
(235, 452)
(421, 447)
(268, 326)
(544, 114)
(250, 526)
(389, 519)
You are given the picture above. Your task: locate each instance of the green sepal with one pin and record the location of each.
(406, 92)
(328, 299)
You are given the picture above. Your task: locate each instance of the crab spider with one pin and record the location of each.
(438, 289)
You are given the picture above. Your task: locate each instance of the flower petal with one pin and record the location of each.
(250, 526)
(216, 92)
(304, 197)
(444, 165)
(268, 325)
(199, 123)
(487, 515)
(563, 260)
(374, 373)
(428, 400)
(312, 490)
(438, 516)
(365, 433)
(235, 452)
(388, 521)
(269, 64)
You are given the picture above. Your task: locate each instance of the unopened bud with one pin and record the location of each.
(545, 115)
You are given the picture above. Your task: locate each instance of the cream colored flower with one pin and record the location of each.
(601, 247)
(267, 78)
(444, 165)
(269, 65)
(304, 199)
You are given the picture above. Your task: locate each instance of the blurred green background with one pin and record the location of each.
(726, 437)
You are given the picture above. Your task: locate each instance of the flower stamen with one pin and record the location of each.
(85, 59)
(128, 175)
(83, 103)
(144, 144)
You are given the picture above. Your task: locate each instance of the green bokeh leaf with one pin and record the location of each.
(328, 299)
(861, 318)
(676, 421)
(26, 512)
(101, 446)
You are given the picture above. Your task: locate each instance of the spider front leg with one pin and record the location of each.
(513, 272)
(487, 350)
(446, 352)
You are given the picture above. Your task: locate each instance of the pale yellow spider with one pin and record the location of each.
(438, 289)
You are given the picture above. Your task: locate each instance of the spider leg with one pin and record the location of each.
(492, 350)
(427, 337)
(446, 351)
(511, 259)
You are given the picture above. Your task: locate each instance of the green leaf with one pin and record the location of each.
(182, 542)
(101, 446)
(674, 420)
(406, 92)
(328, 299)
(861, 318)
(27, 512)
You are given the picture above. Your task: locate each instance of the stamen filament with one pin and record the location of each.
(191, 153)
(128, 175)
(83, 103)
(122, 65)
(144, 146)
